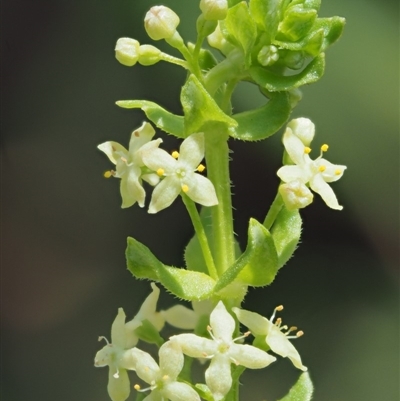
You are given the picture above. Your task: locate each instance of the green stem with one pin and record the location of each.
(201, 235)
(273, 211)
(217, 158)
(174, 60)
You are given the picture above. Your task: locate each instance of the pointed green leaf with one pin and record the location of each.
(258, 265)
(286, 233)
(163, 119)
(263, 122)
(200, 108)
(297, 22)
(241, 27)
(267, 15)
(302, 390)
(278, 83)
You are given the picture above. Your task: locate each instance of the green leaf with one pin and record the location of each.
(241, 27)
(163, 119)
(278, 83)
(297, 22)
(267, 15)
(286, 233)
(188, 285)
(302, 390)
(200, 108)
(206, 58)
(204, 392)
(148, 333)
(263, 122)
(258, 265)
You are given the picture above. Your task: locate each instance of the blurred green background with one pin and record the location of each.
(63, 268)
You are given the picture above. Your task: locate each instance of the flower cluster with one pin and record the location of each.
(220, 348)
(304, 171)
(172, 175)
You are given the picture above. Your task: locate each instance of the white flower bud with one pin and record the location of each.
(303, 128)
(149, 55)
(127, 51)
(160, 22)
(268, 55)
(296, 195)
(214, 9)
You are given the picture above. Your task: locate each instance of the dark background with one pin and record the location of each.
(63, 232)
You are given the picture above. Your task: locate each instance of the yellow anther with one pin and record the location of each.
(136, 387)
(278, 321)
(185, 188)
(136, 133)
(124, 160)
(165, 377)
(201, 168)
(324, 147)
(338, 172)
(175, 154)
(160, 172)
(322, 168)
(279, 308)
(247, 334)
(108, 174)
(299, 333)
(307, 150)
(293, 328)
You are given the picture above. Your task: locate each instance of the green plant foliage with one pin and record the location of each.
(302, 390)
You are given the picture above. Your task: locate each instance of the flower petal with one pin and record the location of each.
(303, 128)
(131, 189)
(176, 391)
(140, 136)
(218, 376)
(165, 193)
(113, 150)
(249, 356)
(295, 147)
(292, 173)
(195, 346)
(118, 387)
(152, 179)
(332, 172)
(156, 158)
(147, 147)
(180, 317)
(318, 185)
(171, 359)
(118, 329)
(201, 190)
(192, 150)
(280, 344)
(148, 310)
(222, 323)
(146, 367)
(256, 323)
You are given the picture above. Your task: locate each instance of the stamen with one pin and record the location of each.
(175, 154)
(322, 168)
(185, 188)
(278, 322)
(124, 160)
(103, 338)
(142, 390)
(277, 309)
(293, 328)
(201, 168)
(109, 174)
(116, 374)
(244, 335)
(324, 147)
(307, 150)
(300, 333)
(136, 387)
(338, 172)
(160, 172)
(165, 377)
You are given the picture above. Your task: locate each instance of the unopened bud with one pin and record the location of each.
(295, 194)
(160, 22)
(268, 55)
(214, 9)
(127, 51)
(303, 128)
(149, 55)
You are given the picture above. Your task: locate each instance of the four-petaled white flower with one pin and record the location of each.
(118, 358)
(276, 336)
(129, 162)
(316, 173)
(222, 350)
(163, 379)
(180, 174)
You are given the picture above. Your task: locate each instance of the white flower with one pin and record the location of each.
(317, 173)
(118, 358)
(163, 379)
(148, 311)
(214, 9)
(160, 22)
(295, 194)
(222, 350)
(127, 51)
(180, 174)
(275, 336)
(303, 128)
(129, 162)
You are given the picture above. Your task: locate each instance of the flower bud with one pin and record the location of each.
(214, 9)
(295, 194)
(160, 22)
(268, 55)
(303, 128)
(127, 51)
(149, 55)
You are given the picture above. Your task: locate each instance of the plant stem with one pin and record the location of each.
(217, 158)
(273, 211)
(201, 235)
